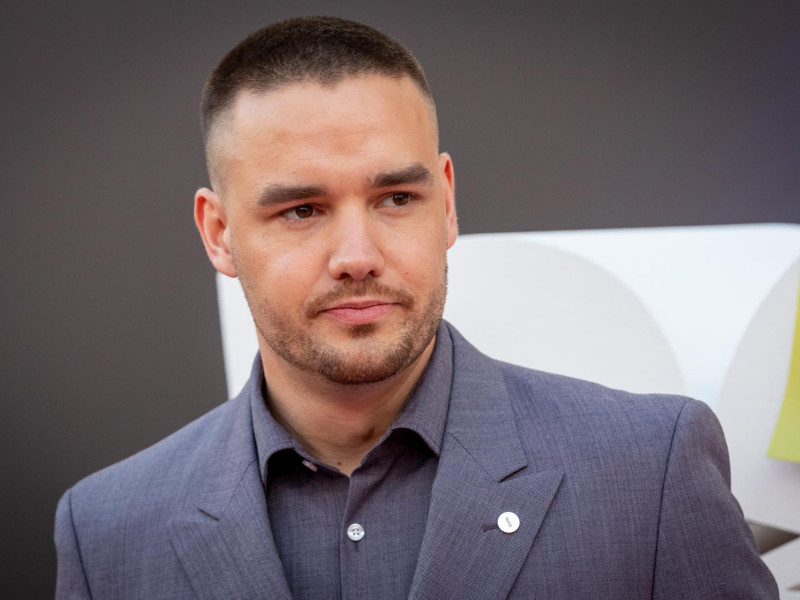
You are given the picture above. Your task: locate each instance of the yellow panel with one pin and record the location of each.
(785, 442)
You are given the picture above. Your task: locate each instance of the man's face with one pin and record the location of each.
(336, 214)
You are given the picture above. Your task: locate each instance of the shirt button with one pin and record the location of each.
(508, 522)
(355, 532)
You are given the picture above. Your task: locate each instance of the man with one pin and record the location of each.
(374, 453)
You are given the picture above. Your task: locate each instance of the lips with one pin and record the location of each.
(359, 312)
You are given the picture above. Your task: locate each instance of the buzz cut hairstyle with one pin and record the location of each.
(319, 49)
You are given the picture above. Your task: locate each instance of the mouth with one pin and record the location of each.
(359, 312)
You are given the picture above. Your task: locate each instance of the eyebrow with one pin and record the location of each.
(276, 193)
(413, 174)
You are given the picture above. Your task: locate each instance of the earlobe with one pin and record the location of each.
(212, 223)
(449, 190)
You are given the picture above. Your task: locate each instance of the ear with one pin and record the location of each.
(449, 190)
(212, 223)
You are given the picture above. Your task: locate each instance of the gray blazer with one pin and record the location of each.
(618, 495)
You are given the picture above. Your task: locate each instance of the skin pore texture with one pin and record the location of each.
(335, 211)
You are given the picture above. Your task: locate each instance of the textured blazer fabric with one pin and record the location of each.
(618, 496)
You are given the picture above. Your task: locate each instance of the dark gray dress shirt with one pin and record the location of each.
(312, 506)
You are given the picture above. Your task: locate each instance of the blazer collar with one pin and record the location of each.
(483, 472)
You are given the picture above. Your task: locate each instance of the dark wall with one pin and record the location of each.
(559, 115)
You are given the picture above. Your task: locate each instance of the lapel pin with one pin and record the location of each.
(508, 522)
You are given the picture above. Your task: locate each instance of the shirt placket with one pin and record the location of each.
(361, 540)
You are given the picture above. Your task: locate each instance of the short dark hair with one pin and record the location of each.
(322, 49)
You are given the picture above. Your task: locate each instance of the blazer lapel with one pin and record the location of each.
(232, 555)
(223, 538)
(483, 472)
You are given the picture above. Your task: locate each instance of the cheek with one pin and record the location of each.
(283, 273)
(422, 261)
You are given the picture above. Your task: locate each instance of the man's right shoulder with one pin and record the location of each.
(115, 525)
(169, 465)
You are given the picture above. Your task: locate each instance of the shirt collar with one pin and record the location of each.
(425, 412)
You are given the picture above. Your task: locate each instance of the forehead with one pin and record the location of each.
(356, 119)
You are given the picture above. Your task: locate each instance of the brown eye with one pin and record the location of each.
(303, 212)
(398, 199)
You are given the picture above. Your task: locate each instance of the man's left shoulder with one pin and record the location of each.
(574, 397)
(568, 408)
(594, 411)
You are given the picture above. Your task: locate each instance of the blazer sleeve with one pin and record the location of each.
(71, 582)
(705, 549)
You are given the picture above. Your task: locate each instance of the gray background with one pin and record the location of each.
(559, 115)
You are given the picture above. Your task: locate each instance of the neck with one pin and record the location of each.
(336, 424)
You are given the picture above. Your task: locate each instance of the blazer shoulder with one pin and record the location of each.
(588, 419)
(167, 465)
(569, 396)
(556, 406)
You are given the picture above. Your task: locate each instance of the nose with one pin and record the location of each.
(356, 247)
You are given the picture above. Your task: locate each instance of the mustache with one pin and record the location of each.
(349, 288)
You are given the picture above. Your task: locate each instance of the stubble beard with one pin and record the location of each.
(367, 358)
